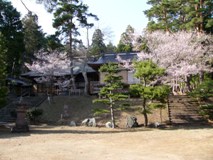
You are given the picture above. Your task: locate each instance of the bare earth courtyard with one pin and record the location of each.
(85, 143)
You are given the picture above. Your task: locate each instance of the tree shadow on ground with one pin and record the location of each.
(188, 126)
(86, 130)
(53, 129)
(5, 133)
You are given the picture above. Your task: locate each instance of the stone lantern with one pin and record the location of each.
(21, 124)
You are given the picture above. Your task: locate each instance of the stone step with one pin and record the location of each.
(187, 116)
(187, 119)
(184, 110)
(185, 107)
(183, 104)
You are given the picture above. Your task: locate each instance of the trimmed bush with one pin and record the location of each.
(207, 111)
(34, 115)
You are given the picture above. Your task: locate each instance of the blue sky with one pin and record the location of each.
(114, 15)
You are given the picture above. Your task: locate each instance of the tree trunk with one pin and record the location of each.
(166, 22)
(188, 79)
(112, 116)
(72, 75)
(199, 26)
(169, 110)
(71, 61)
(86, 85)
(144, 111)
(88, 38)
(112, 112)
(201, 76)
(84, 73)
(51, 87)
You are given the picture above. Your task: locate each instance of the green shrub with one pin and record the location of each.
(3, 94)
(134, 93)
(203, 91)
(207, 111)
(34, 114)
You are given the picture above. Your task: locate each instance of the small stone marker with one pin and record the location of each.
(155, 125)
(131, 122)
(84, 122)
(108, 125)
(90, 122)
(66, 111)
(72, 123)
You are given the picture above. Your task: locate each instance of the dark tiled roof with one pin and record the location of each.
(107, 58)
(20, 82)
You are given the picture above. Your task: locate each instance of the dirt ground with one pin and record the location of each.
(84, 143)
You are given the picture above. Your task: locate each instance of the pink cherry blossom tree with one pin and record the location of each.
(49, 65)
(58, 64)
(182, 54)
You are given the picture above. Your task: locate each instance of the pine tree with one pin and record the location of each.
(11, 29)
(34, 39)
(112, 85)
(53, 42)
(69, 15)
(98, 47)
(110, 48)
(147, 72)
(175, 15)
(161, 15)
(126, 41)
(3, 72)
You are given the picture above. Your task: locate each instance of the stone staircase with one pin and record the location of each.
(8, 110)
(184, 110)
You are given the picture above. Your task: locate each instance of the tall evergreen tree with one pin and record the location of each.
(110, 48)
(126, 41)
(69, 16)
(161, 14)
(11, 29)
(3, 63)
(34, 38)
(3, 72)
(127, 36)
(174, 15)
(53, 42)
(200, 15)
(98, 47)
